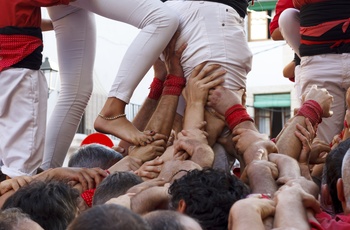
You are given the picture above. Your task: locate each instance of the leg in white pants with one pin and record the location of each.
(75, 34)
(158, 24)
(330, 71)
(76, 41)
(23, 107)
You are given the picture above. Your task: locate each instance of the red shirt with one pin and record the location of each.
(327, 222)
(281, 5)
(15, 43)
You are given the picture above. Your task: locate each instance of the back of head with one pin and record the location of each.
(346, 178)
(108, 217)
(94, 155)
(114, 185)
(15, 219)
(168, 219)
(53, 205)
(208, 195)
(332, 172)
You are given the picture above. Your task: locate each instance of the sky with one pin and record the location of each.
(113, 38)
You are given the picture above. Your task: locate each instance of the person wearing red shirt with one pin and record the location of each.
(323, 42)
(23, 87)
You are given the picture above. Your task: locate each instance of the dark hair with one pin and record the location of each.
(114, 185)
(332, 172)
(11, 218)
(53, 204)
(94, 155)
(165, 220)
(209, 195)
(108, 217)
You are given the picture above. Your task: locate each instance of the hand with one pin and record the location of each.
(150, 151)
(202, 79)
(287, 166)
(173, 57)
(295, 192)
(221, 99)
(306, 137)
(257, 168)
(174, 169)
(323, 98)
(319, 150)
(150, 169)
(189, 140)
(307, 185)
(14, 183)
(89, 178)
(252, 145)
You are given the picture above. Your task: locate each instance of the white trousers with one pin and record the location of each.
(23, 108)
(330, 71)
(214, 33)
(76, 39)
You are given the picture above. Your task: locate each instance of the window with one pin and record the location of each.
(271, 112)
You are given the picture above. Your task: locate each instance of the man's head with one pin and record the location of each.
(15, 219)
(108, 217)
(115, 185)
(207, 196)
(168, 219)
(52, 204)
(94, 155)
(343, 185)
(331, 174)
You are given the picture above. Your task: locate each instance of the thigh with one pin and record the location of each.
(134, 12)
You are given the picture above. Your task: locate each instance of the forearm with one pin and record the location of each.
(194, 115)
(149, 200)
(145, 113)
(287, 143)
(262, 181)
(290, 213)
(126, 164)
(163, 118)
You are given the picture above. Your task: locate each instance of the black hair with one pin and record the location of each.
(53, 205)
(209, 195)
(114, 185)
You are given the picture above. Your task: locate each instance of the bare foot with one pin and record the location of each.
(123, 129)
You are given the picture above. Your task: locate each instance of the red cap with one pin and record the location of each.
(98, 138)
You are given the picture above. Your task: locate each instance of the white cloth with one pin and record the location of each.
(330, 71)
(23, 108)
(76, 38)
(214, 33)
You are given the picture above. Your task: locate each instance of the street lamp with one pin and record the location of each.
(50, 74)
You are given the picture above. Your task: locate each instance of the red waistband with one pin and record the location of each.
(15, 48)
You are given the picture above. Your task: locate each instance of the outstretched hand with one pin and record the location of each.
(221, 98)
(322, 97)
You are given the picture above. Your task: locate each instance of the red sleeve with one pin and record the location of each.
(281, 5)
(43, 3)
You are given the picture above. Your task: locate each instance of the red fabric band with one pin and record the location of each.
(156, 89)
(235, 115)
(88, 195)
(312, 110)
(173, 85)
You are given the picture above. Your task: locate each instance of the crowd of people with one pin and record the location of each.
(176, 164)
